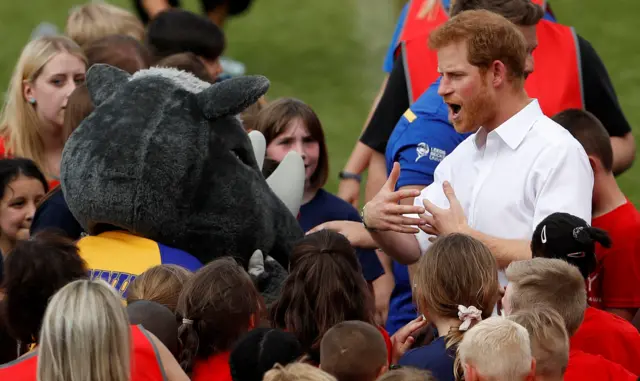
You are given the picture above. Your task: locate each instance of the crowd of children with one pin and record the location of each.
(566, 313)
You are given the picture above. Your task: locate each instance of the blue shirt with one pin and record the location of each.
(326, 207)
(419, 142)
(434, 358)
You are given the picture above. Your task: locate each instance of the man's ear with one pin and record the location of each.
(498, 73)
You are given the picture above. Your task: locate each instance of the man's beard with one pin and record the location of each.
(477, 111)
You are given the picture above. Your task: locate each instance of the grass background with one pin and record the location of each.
(329, 53)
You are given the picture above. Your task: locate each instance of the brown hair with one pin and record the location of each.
(325, 286)
(346, 344)
(589, 131)
(549, 339)
(276, 116)
(407, 374)
(297, 371)
(188, 62)
(123, 52)
(92, 21)
(519, 12)
(456, 270)
(79, 106)
(489, 37)
(217, 306)
(250, 114)
(161, 284)
(553, 283)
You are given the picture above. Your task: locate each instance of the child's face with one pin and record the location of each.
(18, 205)
(296, 138)
(52, 88)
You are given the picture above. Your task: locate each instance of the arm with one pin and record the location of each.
(601, 100)
(172, 369)
(504, 250)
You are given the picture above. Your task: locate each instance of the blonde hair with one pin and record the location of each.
(19, 122)
(549, 339)
(92, 21)
(297, 371)
(407, 374)
(498, 348)
(161, 284)
(553, 283)
(456, 270)
(85, 335)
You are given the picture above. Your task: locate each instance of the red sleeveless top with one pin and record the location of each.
(145, 361)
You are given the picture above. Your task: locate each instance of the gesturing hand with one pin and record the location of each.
(445, 221)
(383, 211)
(402, 340)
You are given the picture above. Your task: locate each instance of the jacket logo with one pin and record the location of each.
(435, 154)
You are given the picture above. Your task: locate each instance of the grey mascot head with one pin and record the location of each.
(164, 156)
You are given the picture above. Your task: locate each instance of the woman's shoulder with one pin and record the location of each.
(431, 356)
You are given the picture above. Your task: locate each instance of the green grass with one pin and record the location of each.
(329, 54)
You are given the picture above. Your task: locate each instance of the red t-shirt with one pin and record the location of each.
(145, 365)
(215, 368)
(6, 155)
(584, 366)
(614, 283)
(610, 336)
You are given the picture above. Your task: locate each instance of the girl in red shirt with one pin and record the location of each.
(31, 123)
(217, 305)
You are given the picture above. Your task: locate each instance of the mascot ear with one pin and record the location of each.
(287, 181)
(103, 81)
(232, 95)
(259, 145)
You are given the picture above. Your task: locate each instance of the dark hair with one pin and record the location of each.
(259, 350)
(34, 271)
(123, 52)
(325, 286)
(217, 305)
(79, 106)
(11, 169)
(177, 31)
(157, 319)
(590, 132)
(519, 12)
(276, 116)
(570, 238)
(188, 62)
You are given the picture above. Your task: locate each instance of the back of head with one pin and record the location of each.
(259, 350)
(456, 272)
(570, 238)
(188, 62)
(323, 268)
(346, 344)
(79, 106)
(19, 122)
(297, 372)
(85, 319)
(35, 270)
(489, 37)
(121, 51)
(589, 131)
(161, 284)
(549, 340)
(551, 283)
(519, 12)
(95, 20)
(497, 349)
(407, 374)
(177, 31)
(217, 306)
(158, 320)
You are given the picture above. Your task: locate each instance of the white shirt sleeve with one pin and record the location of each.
(435, 194)
(568, 186)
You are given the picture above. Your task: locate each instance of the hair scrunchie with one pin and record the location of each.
(468, 315)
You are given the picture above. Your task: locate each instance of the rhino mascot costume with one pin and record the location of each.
(162, 172)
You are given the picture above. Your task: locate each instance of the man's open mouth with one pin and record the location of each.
(455, 110)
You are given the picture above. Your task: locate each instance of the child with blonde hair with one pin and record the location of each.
(95, 20)
(297, 372)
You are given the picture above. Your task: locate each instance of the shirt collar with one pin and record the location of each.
(513, 131)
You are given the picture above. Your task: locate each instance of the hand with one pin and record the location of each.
(402, 340)
(357, 235)
(383, 211)
(445, 221)
(349, 190)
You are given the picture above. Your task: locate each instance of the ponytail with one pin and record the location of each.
(189, 343)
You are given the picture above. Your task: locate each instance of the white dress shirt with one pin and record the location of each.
(510, 179)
